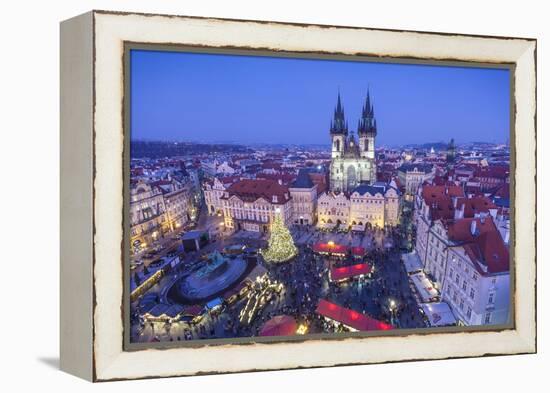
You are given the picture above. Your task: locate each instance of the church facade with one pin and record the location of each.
(353, 161)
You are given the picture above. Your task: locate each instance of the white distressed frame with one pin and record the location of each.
(111, 30)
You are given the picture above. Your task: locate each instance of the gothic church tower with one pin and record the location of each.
(352, 163)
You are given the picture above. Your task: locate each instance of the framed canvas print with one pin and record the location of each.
(246, 195)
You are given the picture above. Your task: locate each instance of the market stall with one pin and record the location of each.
(424, 287)
(341, 274)
(281, 325)
(353, 320)
(412, 262)
(438, 314)
(330, 248)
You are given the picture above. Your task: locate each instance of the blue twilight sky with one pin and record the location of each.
(250, 99)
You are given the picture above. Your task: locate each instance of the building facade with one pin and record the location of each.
(304, 199)
(374, 205)
(332, 210)
(411, 176)
(353, 162)
(148, 219)
(464, 253)
(251, 205)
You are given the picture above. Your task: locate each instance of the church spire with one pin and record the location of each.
(339, 125)
(367, 123)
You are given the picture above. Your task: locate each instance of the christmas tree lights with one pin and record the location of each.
(281, 246)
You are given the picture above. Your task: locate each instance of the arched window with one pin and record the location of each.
(366, 144)
(337, 144)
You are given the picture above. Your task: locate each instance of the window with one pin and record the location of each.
(469, 313)
(472, 293)
(464, 285)
(457, 279)
(491, 298)
(461, 304)
(475, 276)
(488, 318)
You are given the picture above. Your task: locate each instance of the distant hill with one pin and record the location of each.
(157, 149)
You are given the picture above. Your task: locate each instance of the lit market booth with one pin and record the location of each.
(232, 295)
(330, 248)
(350, 319)
(438, 314)
(281, 325)
(193, 313)
(412, 262)
(424, 288)
(358, 252)
(164, 313)
(345, 273)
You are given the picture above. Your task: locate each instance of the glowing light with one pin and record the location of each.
(281, 246)
(302, 329)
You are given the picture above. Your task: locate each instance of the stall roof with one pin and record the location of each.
(438, 314)
(424, 287)
(358, 251)
(194, 310)
(330, 248)
(348, 317)
(281, 325)
(342, 273)
(412, 262)
(214, 303)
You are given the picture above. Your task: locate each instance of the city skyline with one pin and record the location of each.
(208, 98)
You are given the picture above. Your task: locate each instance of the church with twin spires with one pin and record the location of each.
(353, 162)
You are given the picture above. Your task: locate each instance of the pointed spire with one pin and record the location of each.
(339, 124)
(367, 124)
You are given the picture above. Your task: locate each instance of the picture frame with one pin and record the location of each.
(94, 158)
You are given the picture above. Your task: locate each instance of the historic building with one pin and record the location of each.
(413, 175)
(304, 199)
(251, 204)
(367, 205)
(213, 191)
(353, 162)
(460, 247)
(374, 205)
(332, 210)
(148, 220)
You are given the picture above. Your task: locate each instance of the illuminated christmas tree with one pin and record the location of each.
(281, 246)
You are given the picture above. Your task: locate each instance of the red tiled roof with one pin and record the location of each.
(342, 273)
(252, 189)
(285, 178)
(439, 200)
(475, 205)
(485, 247)
(351, 318)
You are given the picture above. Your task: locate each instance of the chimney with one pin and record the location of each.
(473, 228)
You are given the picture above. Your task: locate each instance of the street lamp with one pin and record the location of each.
(392, 307)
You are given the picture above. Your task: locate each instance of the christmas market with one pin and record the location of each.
(281, 325)
(344, 273)
(350, 319)
(330, 248)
